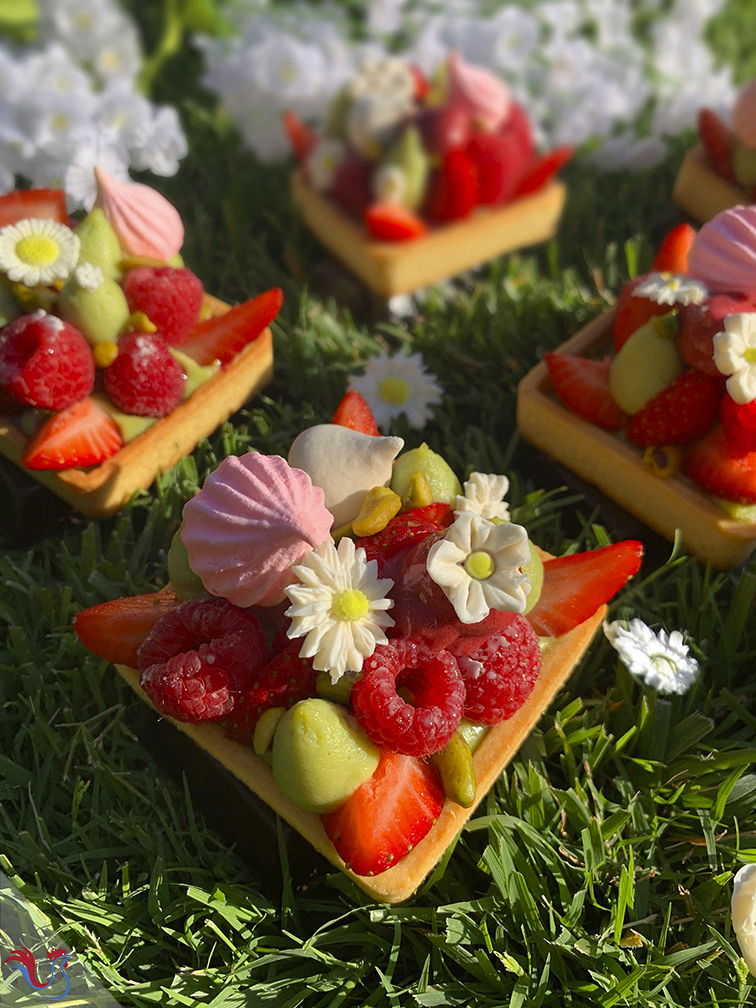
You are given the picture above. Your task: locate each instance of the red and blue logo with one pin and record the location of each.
(23, 960)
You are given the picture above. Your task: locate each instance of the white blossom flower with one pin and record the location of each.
(163, 144)
(35, 251)
(89, 276)
(392, 385)
(323, 161)
(664, 288)
(339, 607)
(94, 148)
(658, 660)
(743, 910)
(388, 78)
(735, 355)
(478, 566)
(389, 184)
(484, 494)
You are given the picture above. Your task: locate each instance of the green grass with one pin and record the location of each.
(597, 872)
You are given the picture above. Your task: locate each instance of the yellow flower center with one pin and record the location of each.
(60, 122)
(84, 21)
(394, 391)
(287, 73)
(37, 250)
(479, 565)
(750, 354)
(351, 604)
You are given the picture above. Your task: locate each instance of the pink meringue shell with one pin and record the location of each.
(723, 253)
(254, 517)
(145, 222)
(481, 92)
(744, 115)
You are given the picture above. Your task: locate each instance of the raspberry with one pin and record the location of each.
(171, 298)
(188, 688)
(499, 676)
(45, 362)
(145, 379)
(284, 681)
(222, 634)
(433, 677)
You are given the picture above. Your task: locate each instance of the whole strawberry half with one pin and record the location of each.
(45, 362)
(582, 384)
(170, 297)
(679, 414)
(452, 189)
(633, 312)
(711, 465)
(738, 424)
(700, 323)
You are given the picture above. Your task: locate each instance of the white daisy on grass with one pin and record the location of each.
(392, 385)
(743, 909)
(339, 607)
(323, 161)
(664, 288)
(735, 355)
(484, 494)
(35, 251)
(657, 660)
(477, 564)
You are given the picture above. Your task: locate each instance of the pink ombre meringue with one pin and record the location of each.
(487, 99)
(723, 253)
(145, 222)
(744, 115)
(254, 517)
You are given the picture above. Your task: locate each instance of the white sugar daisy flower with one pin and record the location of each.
(35, 251)
(735, 355)
(658, 660)
(392, 385)
(484, 494)
(89, 276)
(339, 607)
(478, 566)
(664, 288)
(323, 161)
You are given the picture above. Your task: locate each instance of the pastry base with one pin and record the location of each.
(700, 191)
(390, 268)
(617, 467)
(102, 490)
(491, 757)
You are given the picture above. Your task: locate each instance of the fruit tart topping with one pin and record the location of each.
(145, 221)
(36, 251)
(663, 462)
(388, 221)
(485, 97)
(220, 338)
(145, 379)
(438, 696)
(45, 362)
(583, 385)
(664, 288)
(254, 518)
(499, 676)
(680, 413)
(170, 298)
(672, 254)
(82, 434)
(484, 494)
(723, 254)
(738, 424)
(735, 355)
(354, 412)
(339, 606)
(188, 689)
(477, 564)
(364, 462)
(396, 384)
(114, 630)
(710, 463)
(89, 277)
(646, 364)
(322, 161)
(717, 140)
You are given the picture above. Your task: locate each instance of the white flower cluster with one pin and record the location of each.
(579, 65)
(70, 102)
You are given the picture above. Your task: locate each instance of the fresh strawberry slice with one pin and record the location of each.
(499, 162)
(518, 125)
(301, 136)
(82, 434)
(421, 82)
(222, 337)
(738, 424)
(114, 630)
(354, 412)
(391, 222)
(633, 312)
(452, 189)
(711, 465)
(575, 586)
(583, 386)
(543, 169)
(716, 138)
(387, 815)
(47, 204)
(672, 254)
(679, 414)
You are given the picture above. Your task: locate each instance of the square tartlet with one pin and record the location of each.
(700, 191)
(390, 268)
(497, 748)
(616, 467)
(100, 491)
